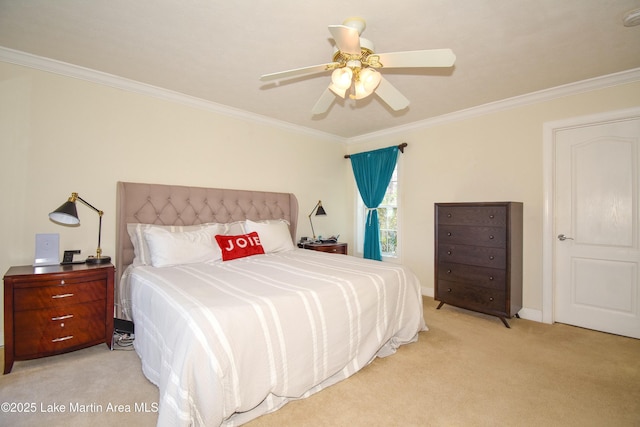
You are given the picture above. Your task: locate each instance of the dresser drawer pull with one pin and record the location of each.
(448, 271)
(68, 337)
(449, 234)
(490, 277)
(492, 257)
(62, 296)
(62, 282)
(449, 252)
(67, 316)
(490, 298)
(491, 237)
(448, 215)
(491, 216)
(448, 289)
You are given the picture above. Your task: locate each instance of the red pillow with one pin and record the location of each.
(239, 246)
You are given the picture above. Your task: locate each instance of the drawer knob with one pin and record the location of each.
(490, 277)
(490, 298)
(448, 271)
(448, 215)
(449, 252)
(62, 282)
(448, 289)
(492, 257)
(491, 216)
(491, 237)
(449, 234)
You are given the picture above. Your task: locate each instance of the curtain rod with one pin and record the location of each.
(400, 147)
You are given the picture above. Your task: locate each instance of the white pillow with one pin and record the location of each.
(274, 235)
(140, 247)
(168, 248)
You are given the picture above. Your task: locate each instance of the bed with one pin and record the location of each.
(228, 336)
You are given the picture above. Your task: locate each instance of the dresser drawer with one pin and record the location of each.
(471, 297)
(466, 235)
(480, 276)
(473, 255)
(30, 298)
(494, 216)
(57, 329)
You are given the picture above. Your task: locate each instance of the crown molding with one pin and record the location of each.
(623, 77)
(69, 70)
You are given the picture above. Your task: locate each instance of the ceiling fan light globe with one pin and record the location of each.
(370, 79)
(361, 90)
(341, 77)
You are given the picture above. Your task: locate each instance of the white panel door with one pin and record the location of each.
(596, 256)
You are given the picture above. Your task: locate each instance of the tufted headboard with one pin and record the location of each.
(180, 205)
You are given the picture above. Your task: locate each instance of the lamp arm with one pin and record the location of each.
(100, 213)
(87, 204)
(313, 232)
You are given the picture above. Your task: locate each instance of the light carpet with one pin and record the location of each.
(467, 370)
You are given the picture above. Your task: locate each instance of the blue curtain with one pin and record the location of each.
(373, 171)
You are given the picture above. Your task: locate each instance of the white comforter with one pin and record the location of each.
(228, 341)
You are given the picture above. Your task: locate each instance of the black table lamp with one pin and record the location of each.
(319, 210)
(67, 214)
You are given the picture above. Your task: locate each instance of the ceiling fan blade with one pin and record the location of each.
(391, 96)
(347, 39)
(325, 101)
(299, 72)
(418, 58)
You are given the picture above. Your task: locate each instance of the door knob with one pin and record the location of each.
(562, 237)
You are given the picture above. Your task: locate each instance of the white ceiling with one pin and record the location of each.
(216, 50)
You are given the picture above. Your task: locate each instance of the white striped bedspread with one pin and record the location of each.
(226, 342)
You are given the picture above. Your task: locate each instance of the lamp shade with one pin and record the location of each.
(320, 211)
(66, 214)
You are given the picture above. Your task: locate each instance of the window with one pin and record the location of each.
(387, 220)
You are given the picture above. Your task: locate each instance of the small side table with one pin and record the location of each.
(56, 309)
(334, 248)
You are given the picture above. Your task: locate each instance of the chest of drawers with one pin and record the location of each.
(56, 309)
(478, 257)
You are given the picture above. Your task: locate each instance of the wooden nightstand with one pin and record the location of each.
(335, 248)
(56, 309)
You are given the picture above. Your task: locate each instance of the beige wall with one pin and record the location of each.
(60, 134)
(493, 157)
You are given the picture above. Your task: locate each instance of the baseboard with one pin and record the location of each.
(531, 314)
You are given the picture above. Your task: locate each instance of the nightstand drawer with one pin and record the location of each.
(334, 248)
(58, 296)
(54, 330)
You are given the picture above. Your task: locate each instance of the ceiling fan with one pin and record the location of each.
(355, 67)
